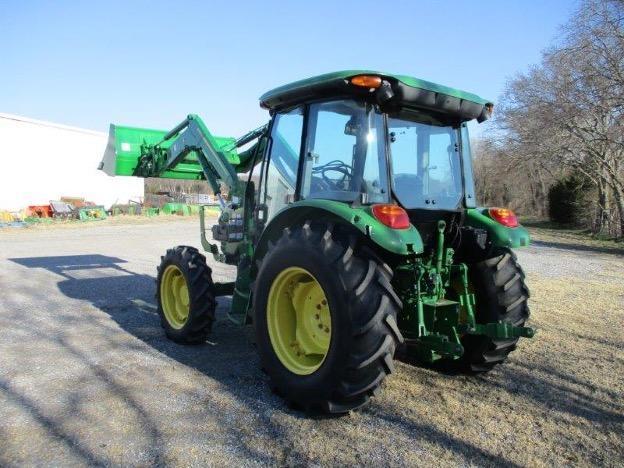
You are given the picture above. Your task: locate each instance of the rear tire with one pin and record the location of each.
(186, 316)
(501, 295)
(363, 309)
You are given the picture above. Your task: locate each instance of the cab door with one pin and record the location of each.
(281, 165)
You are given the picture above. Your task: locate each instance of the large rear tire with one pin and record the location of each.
(315, 273)
(185, 295)
(501, 295)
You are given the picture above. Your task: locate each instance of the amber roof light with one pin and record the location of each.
(366, 81)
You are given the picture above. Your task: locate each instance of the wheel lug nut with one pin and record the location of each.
(324, 302)
(318, 306)
(326, 329)
(317, 317)
(321, 326)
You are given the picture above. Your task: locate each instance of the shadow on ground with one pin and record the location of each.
(578, 247)
(575, 238)
(128, 298)
(228, 357)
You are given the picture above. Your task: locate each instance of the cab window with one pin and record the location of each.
(281, 171)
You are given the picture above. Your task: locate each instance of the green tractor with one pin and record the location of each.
(352, 220)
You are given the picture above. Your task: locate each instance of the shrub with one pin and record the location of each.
(567, 200)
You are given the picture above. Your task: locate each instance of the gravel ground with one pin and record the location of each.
(87, 377)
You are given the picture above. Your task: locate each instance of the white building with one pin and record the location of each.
(42, 161)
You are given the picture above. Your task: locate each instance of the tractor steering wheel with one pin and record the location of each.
(334, 166)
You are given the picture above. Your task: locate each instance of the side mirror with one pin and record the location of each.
(486, 113)
(353, 126)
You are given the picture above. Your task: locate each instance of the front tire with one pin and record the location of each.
(321, 264)
(185, 295)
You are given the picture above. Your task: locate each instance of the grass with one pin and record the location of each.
(555, 235)
(557, 401)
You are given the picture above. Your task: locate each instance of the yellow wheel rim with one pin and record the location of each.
(299, 321)
(174, 297)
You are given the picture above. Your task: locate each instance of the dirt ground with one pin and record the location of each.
(88, 378)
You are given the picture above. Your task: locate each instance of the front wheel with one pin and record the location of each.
(185, 295)
(325, 319)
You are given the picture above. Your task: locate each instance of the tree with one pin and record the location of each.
(566, 115)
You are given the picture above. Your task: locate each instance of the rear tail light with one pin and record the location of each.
(504, 216)
(392, 216)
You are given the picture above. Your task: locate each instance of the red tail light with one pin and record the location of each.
(392, 216)
(504, 216)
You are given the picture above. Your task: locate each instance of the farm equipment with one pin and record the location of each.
(352, 219)
(62, 210)
(91, 213)
(40, 211)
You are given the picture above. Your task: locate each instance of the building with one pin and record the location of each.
(42, 161)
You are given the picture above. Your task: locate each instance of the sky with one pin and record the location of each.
(149, 64)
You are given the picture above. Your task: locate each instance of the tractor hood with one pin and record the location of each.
(390, 91)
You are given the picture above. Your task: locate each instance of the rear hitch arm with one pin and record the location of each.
(499, 330)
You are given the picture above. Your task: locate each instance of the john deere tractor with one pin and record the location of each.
(351, 217)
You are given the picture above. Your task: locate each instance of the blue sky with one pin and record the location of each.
(150, 63)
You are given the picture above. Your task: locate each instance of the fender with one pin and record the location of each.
(397, 241)
(499, 235)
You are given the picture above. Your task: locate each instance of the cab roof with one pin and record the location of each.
(398, 91)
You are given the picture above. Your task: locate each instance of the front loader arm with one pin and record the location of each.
(189, 151)
(189, 137)
(247, 158)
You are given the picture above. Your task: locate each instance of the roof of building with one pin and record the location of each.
(43, 123)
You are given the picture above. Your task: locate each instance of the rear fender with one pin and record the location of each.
(498, 235)
(396, 241)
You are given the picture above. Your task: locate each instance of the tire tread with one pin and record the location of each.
(201, 291)
(374, 307)
(502, 294)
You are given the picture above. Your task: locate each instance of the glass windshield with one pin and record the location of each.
(426, 170)
(345, 154)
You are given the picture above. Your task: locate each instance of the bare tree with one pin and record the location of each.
(567, 113)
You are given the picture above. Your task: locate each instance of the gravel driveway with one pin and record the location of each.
(88, 378)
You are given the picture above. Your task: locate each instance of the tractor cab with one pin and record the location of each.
(367, 138)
